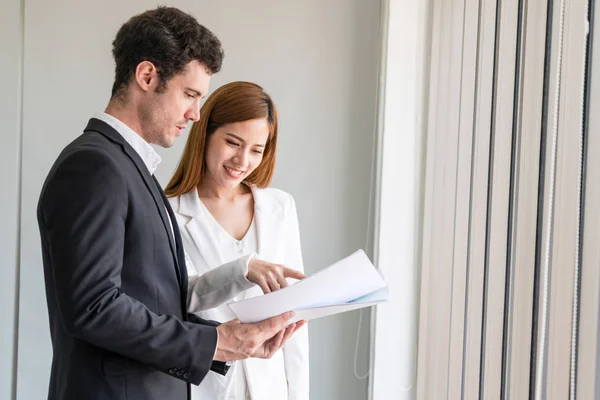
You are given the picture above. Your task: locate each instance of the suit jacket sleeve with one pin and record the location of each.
(295, 351)
(82, 216)
(214, 287)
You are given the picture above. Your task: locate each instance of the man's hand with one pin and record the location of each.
(270, 277)
(239, 341)
(270, 347)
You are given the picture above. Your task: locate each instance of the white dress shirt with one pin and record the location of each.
(148, 155)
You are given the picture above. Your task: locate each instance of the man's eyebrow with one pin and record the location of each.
(197, 93)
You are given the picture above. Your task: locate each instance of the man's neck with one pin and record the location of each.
(126, 116)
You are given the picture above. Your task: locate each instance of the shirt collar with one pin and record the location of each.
(145, 151)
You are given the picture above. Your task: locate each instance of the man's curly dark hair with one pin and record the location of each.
(167, 37)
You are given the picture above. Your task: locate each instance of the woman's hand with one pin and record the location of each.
(270, 277)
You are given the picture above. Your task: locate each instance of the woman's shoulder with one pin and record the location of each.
(174, 201)
(184, 205)
(273, 195)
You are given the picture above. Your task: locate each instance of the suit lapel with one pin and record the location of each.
(182, 271)
(152, 185)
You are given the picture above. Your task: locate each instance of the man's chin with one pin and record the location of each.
(166, 142)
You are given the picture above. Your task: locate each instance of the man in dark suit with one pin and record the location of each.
(116, 281)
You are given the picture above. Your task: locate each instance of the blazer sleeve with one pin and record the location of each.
(295, 351)
(82, 215)
(214, 287)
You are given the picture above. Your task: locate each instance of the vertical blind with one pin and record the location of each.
(510, 280)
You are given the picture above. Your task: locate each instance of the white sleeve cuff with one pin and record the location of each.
(245, 260)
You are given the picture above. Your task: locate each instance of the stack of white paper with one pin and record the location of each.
(349, 284)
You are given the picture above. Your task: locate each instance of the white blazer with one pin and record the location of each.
(286, 374)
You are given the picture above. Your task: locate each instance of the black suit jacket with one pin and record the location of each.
(116, 282)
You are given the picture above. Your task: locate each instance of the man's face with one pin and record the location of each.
(164, 116)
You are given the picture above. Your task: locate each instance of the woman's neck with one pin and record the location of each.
(208, 190)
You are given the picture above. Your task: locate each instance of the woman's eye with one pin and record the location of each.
(231, 143)
(257, 151)
(190, 96)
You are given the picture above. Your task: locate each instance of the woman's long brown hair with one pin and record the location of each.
(233, 102)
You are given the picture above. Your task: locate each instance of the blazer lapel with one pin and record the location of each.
(198, 227)
(267, 217)
(267, 214)
(106, 130)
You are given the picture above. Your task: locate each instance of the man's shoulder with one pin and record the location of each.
(90, 153)
(88, 144)
(91, 141)
(87, 164)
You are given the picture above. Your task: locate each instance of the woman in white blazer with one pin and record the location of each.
(229, 217)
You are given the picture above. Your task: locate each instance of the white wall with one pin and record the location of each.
(10, 112)
(317, 59)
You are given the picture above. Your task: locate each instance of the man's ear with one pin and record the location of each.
(146, 75)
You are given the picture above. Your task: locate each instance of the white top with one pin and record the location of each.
(231, 249)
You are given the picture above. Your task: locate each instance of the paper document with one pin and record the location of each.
(349, 284)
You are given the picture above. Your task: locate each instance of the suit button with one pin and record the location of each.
(172, 371)
(186, 375)
(179, 373)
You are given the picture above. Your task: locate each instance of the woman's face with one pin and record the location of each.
(234, 151)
